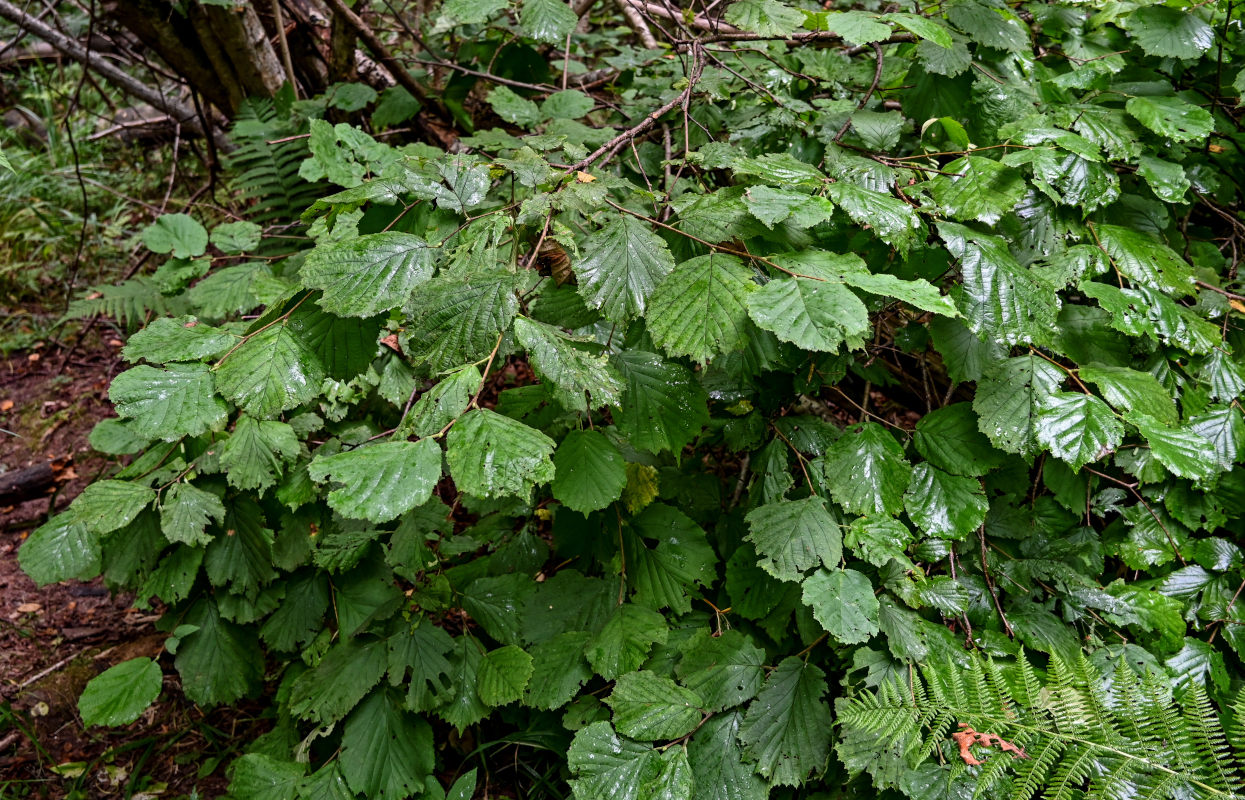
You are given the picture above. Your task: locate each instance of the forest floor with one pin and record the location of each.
(56, 638)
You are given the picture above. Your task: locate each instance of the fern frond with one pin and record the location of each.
(128, 303)
(1208, 740)
(1074, 738)
(266, 162)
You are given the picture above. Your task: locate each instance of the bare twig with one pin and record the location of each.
(693, 77)
(873, 87)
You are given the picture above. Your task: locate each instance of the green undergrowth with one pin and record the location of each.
(837, 403)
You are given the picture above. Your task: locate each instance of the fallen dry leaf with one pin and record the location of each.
(29, 608)
(967, 737)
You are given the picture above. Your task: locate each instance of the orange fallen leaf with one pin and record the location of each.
(391, 341)
(967, 737)
(29, 608)
(584, 177)
(6, 405)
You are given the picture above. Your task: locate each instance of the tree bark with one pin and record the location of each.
(26, 484)
(184, 115)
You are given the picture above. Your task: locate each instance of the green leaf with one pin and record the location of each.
(567, 104)
(918, 293)
(176, 339)
(60, 549)
(1170, 32)
(547, 20)
(456, 319)
(1132, 391)
(623, 263)
(262, 777)
(256, 453)
(893, 220)
(301, 613)
(773, 206)
(273, 371)
(1225, 430)
(866, 472)
(106, 506)
(675, 781)
(842, 601)
(574, 373)
(1008, 400)
(1001, 300)
(977, 188)
(649, 707)
(717, 763)
(386, 751)
(589, 472)
(422, 651)
(794, 536)
(606, 766)
(787, 729)
(558, 670)
(493, 456)
(237, 237)
(503, 675)
(663, 407)
(178, 234)
(814, 315)
(513, 108)
(624, 642)
(1145, 260)
(943, 505)
(119, 695)
(1166, 179)
(1172, 118)
(764, 17)
(1184, 452)
(368, 274)
(949, 439)
(169, 403)
(725, 670)
(664, 576)
(465, 707)
(220, 662)
(497, 603)
(242, 559)
(1077, 428)
(929, 29)
(472, 12)
(464, 788)
(382, 481)
(878, 540)
(701, 308)
(344, 676)
(186, 511)
(1220, 372)
(444, 402)
(992, 27)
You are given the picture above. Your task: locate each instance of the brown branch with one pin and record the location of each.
(387, 58)
(698, 66)
(873, 87)
(186, 117)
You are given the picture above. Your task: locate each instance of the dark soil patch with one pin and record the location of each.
(56, 638)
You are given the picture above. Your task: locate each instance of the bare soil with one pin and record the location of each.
(56, 638)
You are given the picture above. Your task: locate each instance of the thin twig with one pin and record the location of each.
(873, 87)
